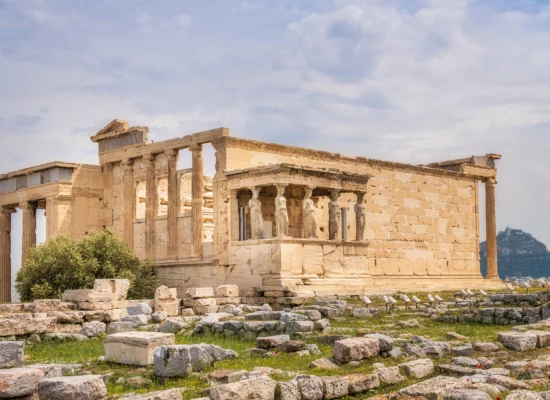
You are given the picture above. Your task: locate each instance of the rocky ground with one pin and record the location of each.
(334, 349)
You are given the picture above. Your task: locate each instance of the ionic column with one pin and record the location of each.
(5, 254)
(129, 201)
(173, 203)
(29, 230)
(150, 205)
(197, 189)
(491, 227)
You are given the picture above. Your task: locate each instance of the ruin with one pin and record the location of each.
(273, 218)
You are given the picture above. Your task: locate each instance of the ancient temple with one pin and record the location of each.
(272, 217)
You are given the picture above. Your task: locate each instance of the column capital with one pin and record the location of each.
(127, 163)
(490, 181)
(171, 154)
(27, 205)
(108, 166)
(195, 147)
(7, 211)
(148, 159)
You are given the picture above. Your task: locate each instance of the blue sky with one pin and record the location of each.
(411, 81)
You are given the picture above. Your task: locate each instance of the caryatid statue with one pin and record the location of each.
(360, 216)
(281, 213)
(256, 217)
(334, 215)
(309, 219)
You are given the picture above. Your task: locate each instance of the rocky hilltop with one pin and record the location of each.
(519, 254)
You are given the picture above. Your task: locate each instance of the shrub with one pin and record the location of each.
(63, 264)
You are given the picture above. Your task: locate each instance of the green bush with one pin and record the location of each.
(64, 263)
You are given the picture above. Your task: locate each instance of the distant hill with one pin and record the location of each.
(519, 254)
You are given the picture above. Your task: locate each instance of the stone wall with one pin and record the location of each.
(420, 221)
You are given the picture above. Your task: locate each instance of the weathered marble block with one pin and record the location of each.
(32, 323)
(12, 354)
(85, 387)
(17, 382)
(135, 348)
(355, 349)
(89, 295)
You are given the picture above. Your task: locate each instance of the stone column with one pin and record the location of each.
(173, 203)
(197, 189)
(129, 201)
(491, 227)
(5, 254)
(150, 205)
(29, 230)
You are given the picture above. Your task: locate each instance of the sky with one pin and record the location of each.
(413, 81)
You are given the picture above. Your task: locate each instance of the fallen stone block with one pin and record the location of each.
(50, 370)
(292, 346)
(135, 348)
(433, 389)
(140, 309)
(257, 388)
(32, 323)
(467, 394)
(181, 360)
(299, 326)
(543, 338)
(385, 343)
(523, 395)
(389, 375)
(18, 382)
(93, 329)
(86, 295)
(518, 341)
(355, 349)
(359, 383)
(418, 369)
(486, 347)
(335, 387)
(67, 317)
(138, 320)
(12, 354)
(65, 337)
(271, 342)
(310, 386)
(173, 325)
(48, 305)
(116, 327)
(85, 387)
(323, 363)
(224, 376)
(170, 394)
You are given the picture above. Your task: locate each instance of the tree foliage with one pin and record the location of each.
(64, 263)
